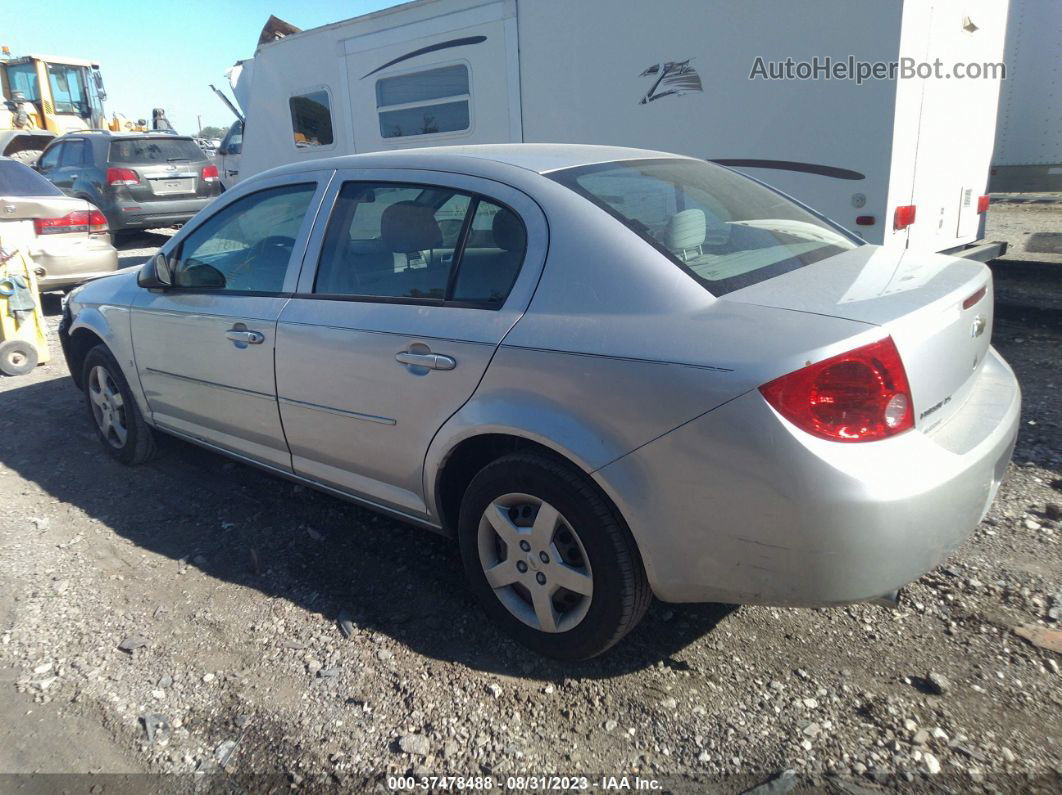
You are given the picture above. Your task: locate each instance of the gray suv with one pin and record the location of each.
(138, 181)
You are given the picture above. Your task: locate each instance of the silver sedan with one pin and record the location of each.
(607, 373)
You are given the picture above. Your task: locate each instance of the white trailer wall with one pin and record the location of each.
(1028, 152)
(581, 67)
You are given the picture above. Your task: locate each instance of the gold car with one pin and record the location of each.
(66, 239)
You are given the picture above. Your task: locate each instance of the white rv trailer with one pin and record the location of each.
(675, 76)
(1028, 155)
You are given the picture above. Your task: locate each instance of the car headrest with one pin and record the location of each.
(407, 227)
(686, 229)
(508, 231)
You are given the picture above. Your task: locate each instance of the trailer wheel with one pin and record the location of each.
(17, 357)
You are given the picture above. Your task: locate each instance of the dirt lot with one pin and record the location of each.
(275, 637)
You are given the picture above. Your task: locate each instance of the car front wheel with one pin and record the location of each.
(549, 559)
(113, 409)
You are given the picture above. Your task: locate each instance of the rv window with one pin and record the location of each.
(424, 103)
(311, 119)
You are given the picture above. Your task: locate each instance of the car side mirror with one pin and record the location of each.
(221, 150)
(156, 273)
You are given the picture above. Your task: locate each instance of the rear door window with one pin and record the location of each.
(420, 244)
(158, 149)
(17, 179)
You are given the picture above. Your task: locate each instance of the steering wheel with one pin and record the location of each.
(279, 241)
(258, 251)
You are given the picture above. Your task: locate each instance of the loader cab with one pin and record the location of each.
(62, 95)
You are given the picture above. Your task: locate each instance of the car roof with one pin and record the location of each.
(538, 158)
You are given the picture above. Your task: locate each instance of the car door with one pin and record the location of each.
(410, 287)
(204, 348)
(228, 155)
(71, 161)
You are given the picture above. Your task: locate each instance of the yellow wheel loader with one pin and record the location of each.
(45, 97)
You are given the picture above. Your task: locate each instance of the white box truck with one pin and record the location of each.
(1028, 155)
(808, 97)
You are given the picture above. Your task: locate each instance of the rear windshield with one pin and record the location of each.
(144, 151)
(725, 230)
(17, 179)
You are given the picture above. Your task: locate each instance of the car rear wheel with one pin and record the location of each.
(119, 423)
(549, 559)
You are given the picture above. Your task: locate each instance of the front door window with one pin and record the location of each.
(246, 246)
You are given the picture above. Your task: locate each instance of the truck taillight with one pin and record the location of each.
(210, 173)
(905, 216)
(859, 396)
(122, 176)
(91, 221)
(982, 204)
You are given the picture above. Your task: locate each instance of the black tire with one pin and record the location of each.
(17, 357)
(621, 592)
(120, 237)
(139, 443)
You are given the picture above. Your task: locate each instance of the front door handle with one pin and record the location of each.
(239, 335)
(432, 361)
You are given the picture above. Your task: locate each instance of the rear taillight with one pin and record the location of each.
(92, 221)
(210, 173)
(905, 216)
(122, 176)
(97, 222)
(859, 396)
(982, 204)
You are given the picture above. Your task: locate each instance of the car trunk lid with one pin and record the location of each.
(18, 214)
(937, 309)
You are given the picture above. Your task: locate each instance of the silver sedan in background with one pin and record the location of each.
(608, 373)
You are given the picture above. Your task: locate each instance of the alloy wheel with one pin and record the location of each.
(108, 407)
(535, 562)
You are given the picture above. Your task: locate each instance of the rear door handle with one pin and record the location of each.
(245, 336)
(433, 361)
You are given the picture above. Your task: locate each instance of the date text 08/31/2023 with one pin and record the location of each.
(526, 783)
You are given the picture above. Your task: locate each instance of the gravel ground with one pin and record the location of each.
(196, 616)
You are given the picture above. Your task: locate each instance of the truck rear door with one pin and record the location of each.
(957, 120)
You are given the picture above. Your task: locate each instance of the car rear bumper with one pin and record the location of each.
(146, 215)
(739, 506)
(65, 266)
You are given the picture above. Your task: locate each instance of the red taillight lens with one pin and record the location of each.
(122, 176)
(905, 216)
(982, 204)
(210, 173)
(78, 221)
(97, 222)
(859, 396)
